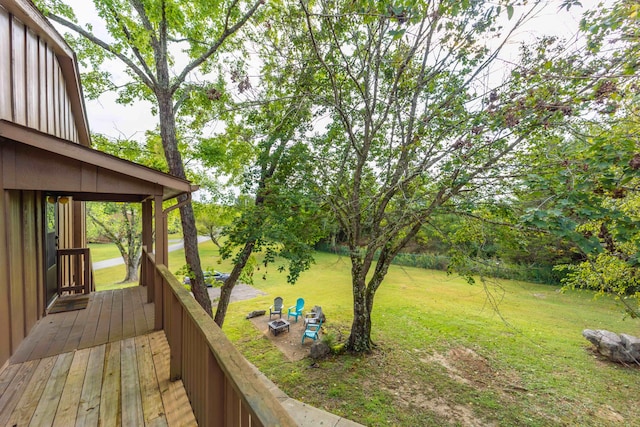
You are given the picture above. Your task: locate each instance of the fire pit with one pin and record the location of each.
(277, 326)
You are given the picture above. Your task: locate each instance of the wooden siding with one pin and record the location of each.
(78, 176)
(33, 89)
(65, 226)
(20, 268)
(5, 315)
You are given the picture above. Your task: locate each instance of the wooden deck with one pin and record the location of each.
(103, 365)
(110, 316)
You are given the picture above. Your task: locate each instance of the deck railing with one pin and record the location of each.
(75, 272)
(222, 387)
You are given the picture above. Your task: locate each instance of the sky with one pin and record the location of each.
(116, 121)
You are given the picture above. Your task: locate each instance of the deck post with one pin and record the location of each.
(147, 243)
(161, 233)
(159, 252)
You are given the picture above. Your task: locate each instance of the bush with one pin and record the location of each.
(491, 268)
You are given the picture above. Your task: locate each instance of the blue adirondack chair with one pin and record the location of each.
(296, 310)
(311, 331)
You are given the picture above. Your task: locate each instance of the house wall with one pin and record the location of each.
(35, 94)
(21, 259)
(33, 91)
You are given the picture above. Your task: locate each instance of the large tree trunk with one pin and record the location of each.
(192, 256)
(176, 168)
(132, 272)
(359, 340)
(227, 287)
(364, 292)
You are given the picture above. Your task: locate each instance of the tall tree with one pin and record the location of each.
(145, 37)
(418, 122)
(282, 219)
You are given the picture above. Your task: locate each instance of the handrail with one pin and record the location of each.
(222, 387)
(75, 272)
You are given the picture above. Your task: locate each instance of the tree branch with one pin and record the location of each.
(106, 46)
(228, 31)
(135, 50)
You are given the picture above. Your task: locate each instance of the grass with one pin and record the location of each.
(102, 251)
(445, 356)
(111, 278)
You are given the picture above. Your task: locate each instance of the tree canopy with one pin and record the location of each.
(383, 122)
(163, 45)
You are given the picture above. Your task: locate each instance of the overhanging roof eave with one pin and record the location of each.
(171, 186)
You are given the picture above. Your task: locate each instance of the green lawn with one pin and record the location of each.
(444, 356)
(111, 278)
(102, 251)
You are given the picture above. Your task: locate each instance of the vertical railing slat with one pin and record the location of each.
(74, 270)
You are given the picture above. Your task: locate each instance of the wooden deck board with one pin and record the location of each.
(110, 400)
(132, 414)
(150, 314)
(6, 376)
(115, 384)
(11, 396)
(48, 405)
(76, 331)
(174, 397)
(57, 345)
(101, 322)
(125, 382)
(38, 341)
(104, 320)
(89, 408)
(115, 327)
(128, 321)
(31, 396)
(91, 322)
(70, 398)
(139, 316)
(149, 390)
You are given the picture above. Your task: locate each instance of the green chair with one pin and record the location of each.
(311, 331)
(296, 310)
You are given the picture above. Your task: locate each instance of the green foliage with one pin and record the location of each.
(484, 267)
(212, 218)
(163, 47)
(584, 182)
(412, 133)
(607, 274)
(277, 213)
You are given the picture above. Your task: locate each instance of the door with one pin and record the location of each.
(50, 247)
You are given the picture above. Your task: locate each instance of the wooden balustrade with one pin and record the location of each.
(75, 272)
(222, 387)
